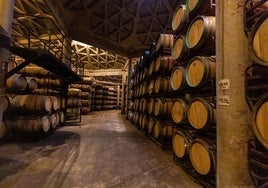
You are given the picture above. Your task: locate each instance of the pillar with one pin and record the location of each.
(67, 51)
(233, 115)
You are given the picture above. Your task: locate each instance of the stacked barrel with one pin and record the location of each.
(74, 105)
(112, 98)
(193, 83)
(85, 95)
(256, 26)
(93, 95)
(36, 102)
(152, 100)
(98, 96)
(105, 100)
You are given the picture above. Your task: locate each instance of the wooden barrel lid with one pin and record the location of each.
(179, 145)
(260, 41)
(167, 131)
(158, 105)
(151, 68)
(191, 4)
(178, 17)
(53, 121)
(45, 123)
(261, 129)
(195, 72)
(151, 87)
(177, 78)
(200, 158)
(198, 114)
(195, 32)
(158, 85)
(157, 128)
(178, 111)
(177, 48)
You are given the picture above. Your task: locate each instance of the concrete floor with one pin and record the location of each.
(104, 150)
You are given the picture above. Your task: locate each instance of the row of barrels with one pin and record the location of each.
(198, 71)
(257, 29)
(194, 139)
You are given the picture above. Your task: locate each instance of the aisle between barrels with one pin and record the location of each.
(103, 151)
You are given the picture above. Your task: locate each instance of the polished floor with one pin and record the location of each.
(103, 151)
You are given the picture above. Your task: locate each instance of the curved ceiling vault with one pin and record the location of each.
(127, 27)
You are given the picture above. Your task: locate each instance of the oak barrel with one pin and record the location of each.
(260, 119)
(201, 113)
(200, 35)
(179, 18)
(180, 49)
(151, 106)
(32, 103)
(151, 87)
(162, 85)
(32, 83)
(178, 78)
(162, 131)
(203, 157)
(62, 117)
(145, 122)
(258, 41)
(162, 107)
(55, 102)
(164, 41)
(162, 63)
(199, 70)
(53, 121)
(201, 7)
(150, 126)
(179, 111)
(17, 82)
(151, 68)
(181, 143)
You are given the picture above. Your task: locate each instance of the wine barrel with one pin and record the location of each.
(181, 143)
(85, 95)
(259, 120)
(37, 125)
(36, 71)
(145, 122)
(258, 41)
(32, 103)
(162, 85)
(17, 82)
(162, 131)
(180, 49)
(200, 35)
(150, 127)
(63, 102)
(179, 111)
(85, 102)
(199, 70)
(140, 120)
(62, 117)
(73, 92)
(178, 78)
(179, 19)
(164, 41)
(203, 156)
(201, 114)
(75, 110)
(55, 103)
(151, 87)
(31, 83)
(201, 7)
(85, 110)
(4, 103)
(162, 107)
(87, 80)
(151, 106)
(144, 107)
(151, 68)
(162, 63)
(72, 103)
(53, 121)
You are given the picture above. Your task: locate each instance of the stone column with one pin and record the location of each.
(233, 117)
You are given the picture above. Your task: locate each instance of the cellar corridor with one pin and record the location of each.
(104, 150)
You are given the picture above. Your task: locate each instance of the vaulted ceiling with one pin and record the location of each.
(127, 27)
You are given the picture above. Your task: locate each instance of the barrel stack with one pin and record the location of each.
(256, 88)
(193, 83)
(74, 105)
(37, 105)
